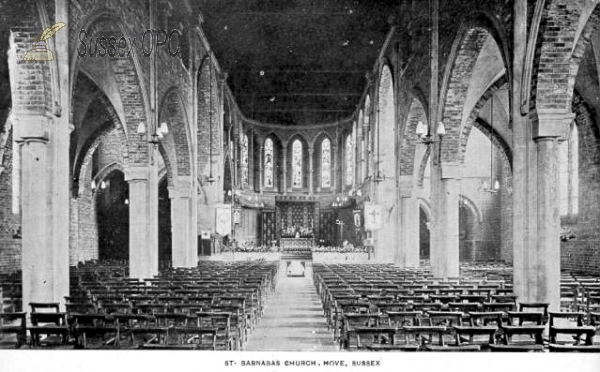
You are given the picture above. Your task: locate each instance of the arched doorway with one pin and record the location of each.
(423, 234)
(164, 224)
(112, 216)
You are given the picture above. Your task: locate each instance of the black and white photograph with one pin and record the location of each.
(283, 185)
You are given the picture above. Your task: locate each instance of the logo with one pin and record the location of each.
(41, 53)
(120, 46)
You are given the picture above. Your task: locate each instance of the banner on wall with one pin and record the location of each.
(223, 220)
(373, 216)
(357, 218)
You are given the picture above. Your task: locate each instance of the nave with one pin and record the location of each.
(255, 306)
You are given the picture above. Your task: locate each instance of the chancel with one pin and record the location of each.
(391, 175)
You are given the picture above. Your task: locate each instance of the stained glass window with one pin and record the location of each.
(297, 164)
(269, 163)
(326, 163)
(349, 160)
(244, 160)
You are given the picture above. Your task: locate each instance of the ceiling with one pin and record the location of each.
(296, 61)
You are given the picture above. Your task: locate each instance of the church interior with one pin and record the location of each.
(311, 175)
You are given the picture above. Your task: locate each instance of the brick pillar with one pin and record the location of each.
(311, 177)
(143, 221)
(184, 230)
(285, 172)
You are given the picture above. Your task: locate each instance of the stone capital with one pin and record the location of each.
(30, 127)
(405, 186)
(175, 192)
(136, 173)
(550, 123)
(451, 170)
(182, 188)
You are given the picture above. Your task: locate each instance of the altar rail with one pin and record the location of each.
(321, 257)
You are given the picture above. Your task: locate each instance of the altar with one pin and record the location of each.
(296, 244)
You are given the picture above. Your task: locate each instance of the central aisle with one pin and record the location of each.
(293, 320)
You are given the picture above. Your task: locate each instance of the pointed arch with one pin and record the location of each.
(172, 111)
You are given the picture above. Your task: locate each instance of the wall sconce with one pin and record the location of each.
(380, 176)
(161, 131)
(423, 132)
(492, 187)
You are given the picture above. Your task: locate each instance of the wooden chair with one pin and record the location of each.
(422, 336)
(480, 324)
(380, 339)
(194, 338)
(13, 323)
(95, 331)
(575, 327)
(46, 319)
(524, 332)
(222, 323)
(535, 307)
(351, 322)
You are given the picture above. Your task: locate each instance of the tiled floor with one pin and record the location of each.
(293, 320)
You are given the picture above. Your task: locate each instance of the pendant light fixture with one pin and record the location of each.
(423, 130)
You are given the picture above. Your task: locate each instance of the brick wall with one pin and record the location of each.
(582, 253)
(10, 248)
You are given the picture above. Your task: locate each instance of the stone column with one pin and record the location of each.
(364, 167)
(311, 177)
(184, 231)
(445, 187)
(45, 256)
(537, 218)
(251, 162)
(358, 156)
(261, 174)
(543, 276)
(285, 172)
(143, 221)
(336, 172)
(408, 253)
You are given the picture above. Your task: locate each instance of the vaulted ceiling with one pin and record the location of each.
(296, 61)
